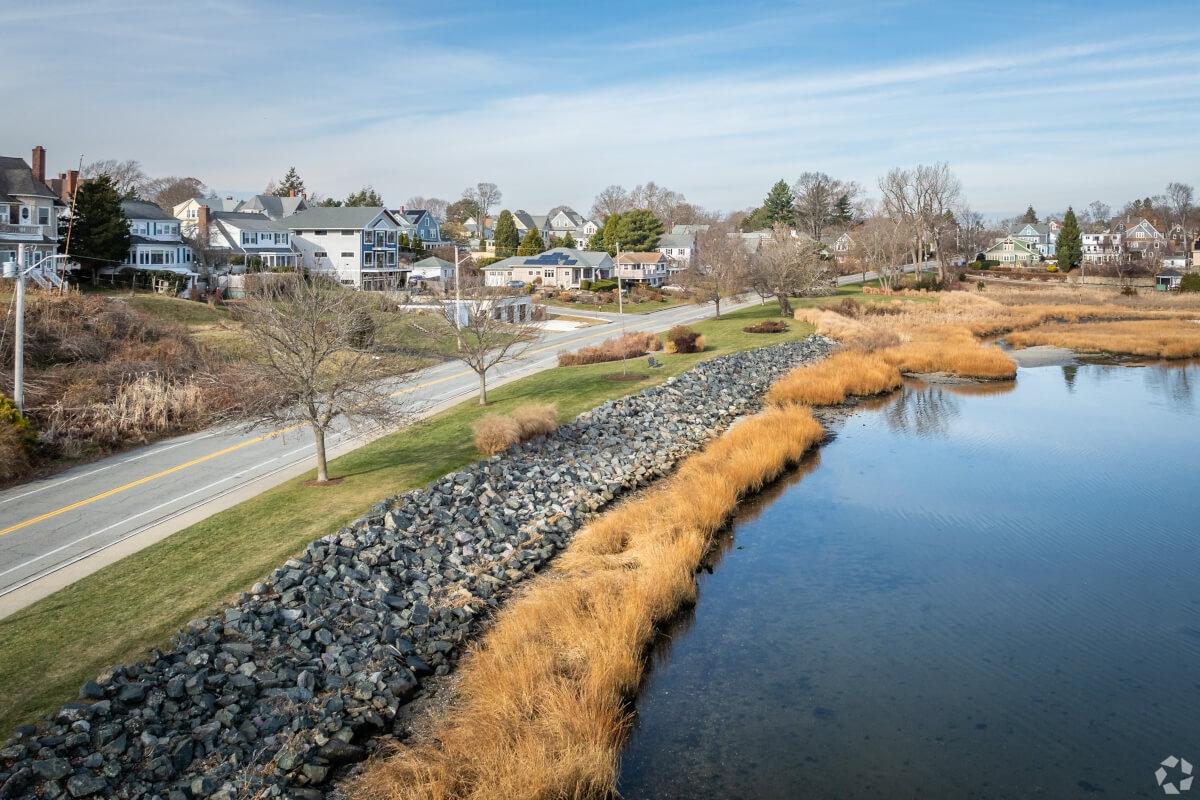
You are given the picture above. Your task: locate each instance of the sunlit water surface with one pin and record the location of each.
(987, 592)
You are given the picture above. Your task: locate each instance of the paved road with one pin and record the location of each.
(55, 531)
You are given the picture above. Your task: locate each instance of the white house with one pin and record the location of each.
(433, 269)
(355, 245)
(28, 209)
(155, 239)
(679, 248)
(188, 212)
(1042, 237)
(1102, 248)
(647, 268)
(560, 267)
(248, 238)
(566, 221)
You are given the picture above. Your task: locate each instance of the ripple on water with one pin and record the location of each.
(968, 595)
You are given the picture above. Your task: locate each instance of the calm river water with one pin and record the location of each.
(979, 592)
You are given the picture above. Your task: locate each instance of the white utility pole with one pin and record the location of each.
(457, 300)
(621, 308)
(18, 271)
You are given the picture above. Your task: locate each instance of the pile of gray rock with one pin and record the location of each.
(274, 694)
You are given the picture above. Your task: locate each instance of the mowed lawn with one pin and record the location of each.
(645, 307)
(50, 648)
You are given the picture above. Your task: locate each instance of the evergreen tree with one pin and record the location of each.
(843, 212)
(567, 240)
(637, 231)
(756, 220)
(779, 208)
(532, 244)
(608, 234)
(292, 183)
(329, 202)
(1069, 250)
(366, 196)
(100, 235)
(506, 235)
(1029, 216)
(596, 242)
(402, 241)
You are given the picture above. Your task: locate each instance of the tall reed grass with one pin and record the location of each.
(832, 380)
(1151, 338)
(541, 707)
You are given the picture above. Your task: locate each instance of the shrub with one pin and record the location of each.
(848, 308)
(1190, 282)
(585, 285)
(684, 340)
(767, 326)
(535, 419)
(882, 309)
(604, 285)
(17, 439)
(361, 329)
(629, 345)
(980, 286)
(495, 433)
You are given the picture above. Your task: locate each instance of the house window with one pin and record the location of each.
(320, 254)
(320, 233)
(369, 258)
(347, 233)
(43, 215)
(549, 273)
(156, 257)
(246, 238)
(347, 255)
(366, 237)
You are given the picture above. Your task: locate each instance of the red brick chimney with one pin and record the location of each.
(202, 223)
(38, 162)
(72, 183)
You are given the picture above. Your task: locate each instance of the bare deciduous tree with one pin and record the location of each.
(789, 266)
(485, 196)
(434, 205)
(127, 176)
(1098, 215)
(880, 245)
(312, 358)
(661, 201)
(488, 333)
(719, 269)
(171, 191)
(924, 200)
(1180, 198)
(612, 199)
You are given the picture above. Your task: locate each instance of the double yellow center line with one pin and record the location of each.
(232, 448)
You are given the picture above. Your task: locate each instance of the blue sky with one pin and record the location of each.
(1047, 103)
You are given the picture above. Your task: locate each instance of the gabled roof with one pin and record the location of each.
(412, 215)
(677, 240)
(273, 206)
(323, 218)
(1038, 228)
(17, 179)
(640, 258)
(249, 221)
(144, 209)
(554, 258)
(1017, 243)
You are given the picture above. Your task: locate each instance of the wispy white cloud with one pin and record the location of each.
(234, 93)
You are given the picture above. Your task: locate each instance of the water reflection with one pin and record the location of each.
(1019, 623)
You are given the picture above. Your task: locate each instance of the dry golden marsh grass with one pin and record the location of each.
(1151, 338)
(541, 707)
